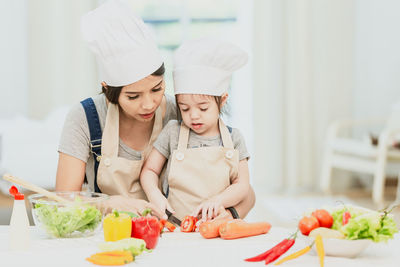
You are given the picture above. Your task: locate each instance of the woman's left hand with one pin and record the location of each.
(209, 209)
(123, 203)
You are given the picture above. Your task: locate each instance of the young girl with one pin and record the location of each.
(207, 161)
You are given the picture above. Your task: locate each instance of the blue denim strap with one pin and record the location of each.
(92, 118)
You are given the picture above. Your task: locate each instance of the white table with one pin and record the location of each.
(186, 250)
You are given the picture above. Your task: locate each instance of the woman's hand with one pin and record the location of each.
(209, 209)
(137, 206)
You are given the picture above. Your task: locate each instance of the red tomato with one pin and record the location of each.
(346, 217)
(188, 224)
(324, 218)
(307, 224)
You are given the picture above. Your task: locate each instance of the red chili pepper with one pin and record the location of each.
(262, 256)
(279, 250)
(188, 224)
(146, 228)
(346, 217)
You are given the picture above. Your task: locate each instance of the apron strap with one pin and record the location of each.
(183, 137)
(110, 143)
(157, 127)
(93, 121)
(225, 135)
(224, 131)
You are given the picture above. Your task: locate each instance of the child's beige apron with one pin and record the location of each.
(197, 174)
(116, 175)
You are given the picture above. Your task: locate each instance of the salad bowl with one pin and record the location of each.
(343, 247)
(81, 216)
(353, 229)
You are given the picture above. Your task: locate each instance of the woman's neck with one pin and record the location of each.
(134, 133)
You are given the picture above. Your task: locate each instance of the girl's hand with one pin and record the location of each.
(159, 200)
(224, 214)
(209, 209)
(137, 206)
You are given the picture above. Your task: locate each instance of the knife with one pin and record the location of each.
(172, 218)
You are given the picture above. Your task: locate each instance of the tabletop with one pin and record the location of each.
(188, 250)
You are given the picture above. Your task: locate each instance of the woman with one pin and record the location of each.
(107, 138)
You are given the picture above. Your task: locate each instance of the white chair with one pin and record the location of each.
(359, 156)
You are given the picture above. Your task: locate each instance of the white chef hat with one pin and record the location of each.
(124, 48)
(205, 66)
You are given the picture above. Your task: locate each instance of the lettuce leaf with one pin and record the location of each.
(62, 221)
(365, 225)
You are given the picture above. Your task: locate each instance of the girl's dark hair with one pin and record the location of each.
(112, 92)
(218, 100)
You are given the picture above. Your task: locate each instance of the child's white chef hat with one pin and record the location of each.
(123, 46)
(205, 66)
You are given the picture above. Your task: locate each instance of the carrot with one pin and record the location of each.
(238, 228)
(210, 229)
(111, 258)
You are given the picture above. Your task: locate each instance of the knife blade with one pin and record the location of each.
(172, 218)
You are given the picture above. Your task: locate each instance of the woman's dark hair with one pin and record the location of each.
(112, 92)
(218, 100)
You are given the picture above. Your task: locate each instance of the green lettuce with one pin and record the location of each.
(62, 221)
(365, 224)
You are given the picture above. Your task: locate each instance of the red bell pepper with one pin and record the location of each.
(146, 228)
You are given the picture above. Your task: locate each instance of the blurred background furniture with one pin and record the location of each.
(349, 153)
(29, 148)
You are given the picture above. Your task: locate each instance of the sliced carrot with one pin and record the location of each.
(165, 223)
(162, 224)
(238, 228)
(116, 257)
(210, 229)
(116, 253)
(170, 226)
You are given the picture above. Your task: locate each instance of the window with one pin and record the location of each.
(174, 21)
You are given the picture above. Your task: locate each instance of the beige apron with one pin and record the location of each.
(116, 175)
(197, 174)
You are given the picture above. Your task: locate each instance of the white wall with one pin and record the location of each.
(377, 57)
(13, 55)
(61, 67)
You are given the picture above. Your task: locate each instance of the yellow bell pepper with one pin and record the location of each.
(117, 226)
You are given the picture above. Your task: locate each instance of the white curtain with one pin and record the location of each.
(303, 78)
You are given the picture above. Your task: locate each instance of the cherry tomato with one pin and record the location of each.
(324, 218)
(188, 224)
(307, 224)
